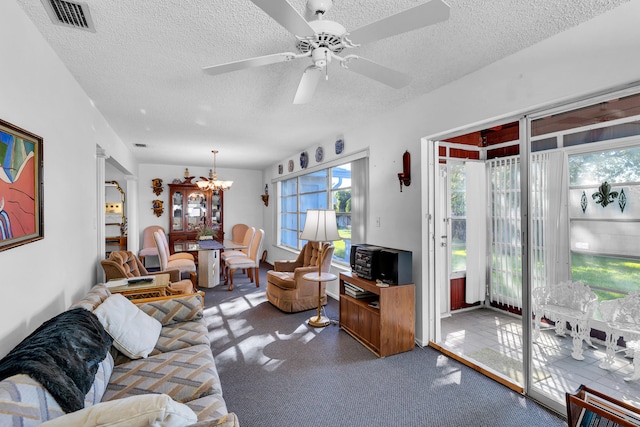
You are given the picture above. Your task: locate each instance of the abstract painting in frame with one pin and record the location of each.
(21, 210)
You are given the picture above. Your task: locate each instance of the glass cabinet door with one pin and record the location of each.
(196, 210)
(176, 211)
(215, 209)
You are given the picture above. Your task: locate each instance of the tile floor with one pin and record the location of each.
(466, 332)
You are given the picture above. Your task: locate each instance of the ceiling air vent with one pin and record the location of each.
(69, 14)
(140, 145)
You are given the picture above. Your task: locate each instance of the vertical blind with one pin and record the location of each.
(505, 282)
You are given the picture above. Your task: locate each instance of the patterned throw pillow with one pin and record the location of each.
(96, 296)
(175, 310)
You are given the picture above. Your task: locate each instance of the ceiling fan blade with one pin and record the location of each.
(284, 14)
(411, 19)
(378, 72)
(308, 84)
(249, 63)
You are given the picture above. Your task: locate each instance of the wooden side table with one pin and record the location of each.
(156, 288)
(319, 321)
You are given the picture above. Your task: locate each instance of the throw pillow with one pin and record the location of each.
(175, 310)
(134, 333)
(143, 410)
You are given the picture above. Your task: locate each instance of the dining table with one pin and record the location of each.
(208, 258)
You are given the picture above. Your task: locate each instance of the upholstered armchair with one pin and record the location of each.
(124, 264)
(287, 290)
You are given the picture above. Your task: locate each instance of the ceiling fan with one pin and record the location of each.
(322, 40)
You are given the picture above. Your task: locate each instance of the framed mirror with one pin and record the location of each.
(115, 218)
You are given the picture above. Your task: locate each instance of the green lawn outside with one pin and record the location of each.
(608, 277)
(612, 274)
(340, 245)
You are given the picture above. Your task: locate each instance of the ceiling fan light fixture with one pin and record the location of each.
(319, 7)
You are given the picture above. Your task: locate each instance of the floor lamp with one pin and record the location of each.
(320, 226)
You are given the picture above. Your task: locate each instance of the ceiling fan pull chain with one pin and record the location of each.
(326, 67)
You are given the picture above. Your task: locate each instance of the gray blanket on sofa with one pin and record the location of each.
(63, 355)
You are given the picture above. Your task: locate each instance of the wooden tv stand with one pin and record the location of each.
(386, 330)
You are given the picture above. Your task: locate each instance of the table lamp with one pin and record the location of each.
(320, 226)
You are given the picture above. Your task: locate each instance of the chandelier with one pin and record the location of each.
(212, 183)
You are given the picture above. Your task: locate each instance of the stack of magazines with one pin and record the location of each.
(356, 292)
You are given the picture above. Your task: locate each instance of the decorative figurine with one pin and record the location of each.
(156, 185)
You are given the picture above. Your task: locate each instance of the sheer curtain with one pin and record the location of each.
(506, 244)
(359, 190)
(549, 218)
(476, 200)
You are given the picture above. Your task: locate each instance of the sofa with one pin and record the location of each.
(111, 361)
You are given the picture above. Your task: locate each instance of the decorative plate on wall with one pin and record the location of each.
(304, 160)
(290, 165)
(319, 154)
(339, 146)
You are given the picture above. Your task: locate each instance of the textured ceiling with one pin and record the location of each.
(143, 69)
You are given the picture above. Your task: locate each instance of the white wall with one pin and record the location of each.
(596, 56)
(37, 93)
(242, 203)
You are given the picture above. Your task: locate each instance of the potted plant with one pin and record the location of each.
(206, 233)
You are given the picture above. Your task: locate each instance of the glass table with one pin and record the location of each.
(208, 255)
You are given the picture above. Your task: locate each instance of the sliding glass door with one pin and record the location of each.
(535, 243)
(584, 168)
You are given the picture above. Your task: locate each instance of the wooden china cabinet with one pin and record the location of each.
(191, 208)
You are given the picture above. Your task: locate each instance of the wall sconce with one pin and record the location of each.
(265, 196)
(405, 175)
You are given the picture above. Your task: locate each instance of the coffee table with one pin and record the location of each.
(157, 287)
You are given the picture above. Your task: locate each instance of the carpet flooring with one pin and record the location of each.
(277, 371)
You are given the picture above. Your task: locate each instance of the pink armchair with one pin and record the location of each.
(287, 290)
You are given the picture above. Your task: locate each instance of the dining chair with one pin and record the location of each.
(251, 262)
(246, 242)
(148, 244)
(181, 261)
(238, 231)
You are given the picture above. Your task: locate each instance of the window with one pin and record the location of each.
(603, 224)
(458, 188)
(323, 189)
